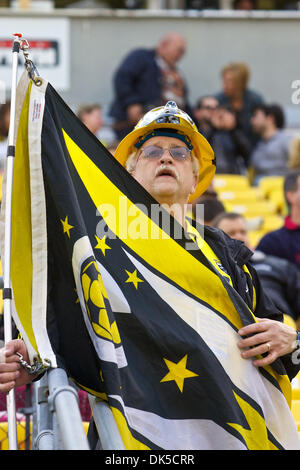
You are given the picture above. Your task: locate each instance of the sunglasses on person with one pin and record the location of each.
(178, 153)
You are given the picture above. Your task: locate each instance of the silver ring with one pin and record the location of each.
(269, 346)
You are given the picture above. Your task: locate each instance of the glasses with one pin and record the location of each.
(178, 153)
(209, 108)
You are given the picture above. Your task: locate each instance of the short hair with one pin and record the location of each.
(199, 102)
(212, 207)
(273, 110)
(87, 109)
(290, 183)
(240, 71)
(226, 216)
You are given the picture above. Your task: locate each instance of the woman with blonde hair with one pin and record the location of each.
(294, 156)
(237, 96)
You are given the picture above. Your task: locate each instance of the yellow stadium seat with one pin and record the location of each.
(295, 393)
(269, 183)
(21, 434)
(252, 209)
(272, 222)
(230, 182)
(255, 236)
(254, 223)
(240, 195)
(277, 197)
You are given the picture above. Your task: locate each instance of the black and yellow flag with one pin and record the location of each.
(101, 289)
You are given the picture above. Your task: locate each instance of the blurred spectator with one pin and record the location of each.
(92, 117)
(285, 242)
(219, 126)
(238, 97)
(209, 208)
(234, 225)
(244, 5)
(148, 78)
(203, 112)
(4, 128)
(280, 278)
(294, 155)
(270, 155)
(112, 146)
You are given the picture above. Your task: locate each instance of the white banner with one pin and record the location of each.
(49, 40)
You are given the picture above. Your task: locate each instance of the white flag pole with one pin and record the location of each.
(7, 292)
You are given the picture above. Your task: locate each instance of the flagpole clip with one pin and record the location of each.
(37, 368)
(29, 65)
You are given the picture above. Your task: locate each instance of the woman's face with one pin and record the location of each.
(229, 83)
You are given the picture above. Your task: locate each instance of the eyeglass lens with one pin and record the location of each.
(178, 153)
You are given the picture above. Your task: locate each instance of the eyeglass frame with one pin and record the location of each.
(169, 150)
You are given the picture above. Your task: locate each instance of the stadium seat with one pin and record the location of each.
(255, 237)
(240, 196)
(230, 182)
(21, 434)
(295, 393)
(254, 223)
(277, 197)
(252, 209)
(269, 183)
(272, 222)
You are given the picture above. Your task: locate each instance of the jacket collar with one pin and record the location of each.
(289, 224)
(222, 243)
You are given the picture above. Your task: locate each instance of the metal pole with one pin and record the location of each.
(44, 435)
(108, 431)
(7, 295)
(63, 400)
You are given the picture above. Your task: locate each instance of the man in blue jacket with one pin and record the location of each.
(148, 78)
(285, 242)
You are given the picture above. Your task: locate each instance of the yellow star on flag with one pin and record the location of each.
(101, 245)
(178, 372)
(66, 226)
(133, 277)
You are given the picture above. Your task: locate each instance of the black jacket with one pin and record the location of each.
(233, 254)
(280, 280)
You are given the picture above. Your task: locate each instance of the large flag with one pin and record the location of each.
(101, 288)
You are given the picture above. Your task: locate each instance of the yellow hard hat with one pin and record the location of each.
(170, 117)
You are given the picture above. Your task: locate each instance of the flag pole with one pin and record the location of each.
(7, 292)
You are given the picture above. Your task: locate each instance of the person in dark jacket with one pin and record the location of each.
(285, 242)
(148, 78)
(219, 126)
(279, 277)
